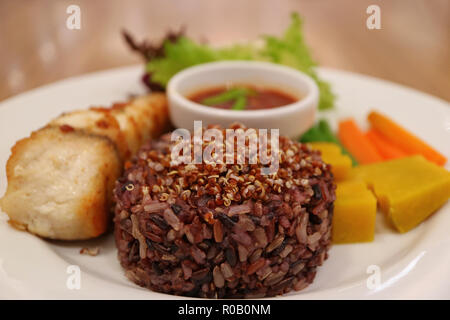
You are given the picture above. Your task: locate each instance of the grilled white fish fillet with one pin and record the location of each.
(137, 121)
(60, 179)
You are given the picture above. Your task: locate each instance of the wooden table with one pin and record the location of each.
(412, 48)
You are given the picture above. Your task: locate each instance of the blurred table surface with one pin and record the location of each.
(412, 48)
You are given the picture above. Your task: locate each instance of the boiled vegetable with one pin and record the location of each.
(354, 213)
(408, 189)
(314, 134)
(330, 148)
(385, 147)
(322, 132)
(325, 128)
(357, 143)
(404, 139)
(332, 154)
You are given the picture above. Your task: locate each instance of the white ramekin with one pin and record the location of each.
(292, 120)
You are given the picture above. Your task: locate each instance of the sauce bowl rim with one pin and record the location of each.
(309, 97)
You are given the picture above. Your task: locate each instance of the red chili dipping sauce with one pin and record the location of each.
(243, 97)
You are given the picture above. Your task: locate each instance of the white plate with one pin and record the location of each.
(412, 265)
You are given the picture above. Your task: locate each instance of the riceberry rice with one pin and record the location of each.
(224, 230)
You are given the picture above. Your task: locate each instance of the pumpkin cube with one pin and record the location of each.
(331, 154)
(408, 189)
(354, 213)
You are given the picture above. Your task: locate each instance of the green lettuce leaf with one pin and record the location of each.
(290, 49)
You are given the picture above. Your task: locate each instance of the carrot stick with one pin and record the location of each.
(385, 147)
(357, 143)
(404, 139)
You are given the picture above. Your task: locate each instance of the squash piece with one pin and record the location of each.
(354, 213)
(332, 154)
(408, 189)
(329, 147)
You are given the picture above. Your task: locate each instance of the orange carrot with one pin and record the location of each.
(404, 139)
(357, 143)
(385, 147)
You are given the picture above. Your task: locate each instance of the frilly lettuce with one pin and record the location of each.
(289, 49)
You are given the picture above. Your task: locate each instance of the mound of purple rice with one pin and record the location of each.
(223, 231)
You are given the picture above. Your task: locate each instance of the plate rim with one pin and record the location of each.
(135, 68)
